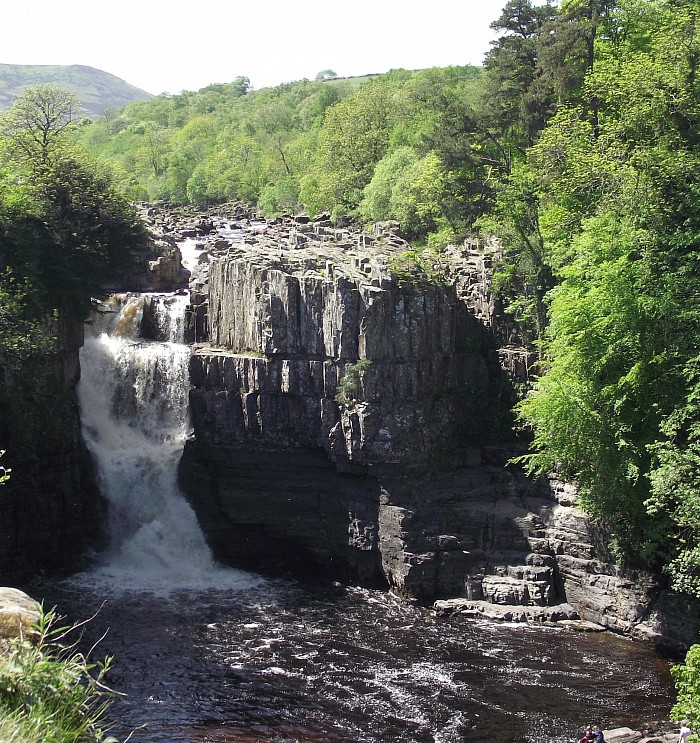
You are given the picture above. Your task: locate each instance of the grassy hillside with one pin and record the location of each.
(96, 90)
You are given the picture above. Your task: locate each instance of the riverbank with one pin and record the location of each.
(49, 690)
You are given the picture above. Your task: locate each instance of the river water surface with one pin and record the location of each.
(207, 653)
(273, 660)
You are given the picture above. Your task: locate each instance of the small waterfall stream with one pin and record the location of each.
(133, 397)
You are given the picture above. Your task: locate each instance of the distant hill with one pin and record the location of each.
(96, 90)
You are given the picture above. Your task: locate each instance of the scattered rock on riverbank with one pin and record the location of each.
(18, 613)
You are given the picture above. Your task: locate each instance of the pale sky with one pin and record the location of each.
(174, 45)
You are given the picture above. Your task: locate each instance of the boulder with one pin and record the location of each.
(18, 613)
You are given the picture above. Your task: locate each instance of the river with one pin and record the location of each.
(208, 653)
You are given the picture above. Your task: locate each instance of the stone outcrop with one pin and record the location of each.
(157, 265)
(18, 614)
(352, 416)
(627, 735)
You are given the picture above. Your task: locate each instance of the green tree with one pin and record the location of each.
(687, 679)
(377, 201)
(524, 275)
(92, 229)
(515, 96)
(353, 139)
(68, 229)
(617, 409)
(37, 122)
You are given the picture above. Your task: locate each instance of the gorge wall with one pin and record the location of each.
(351, 416)
(50, 506)
(51, 511)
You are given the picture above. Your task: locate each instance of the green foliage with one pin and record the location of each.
(353, 138)
(4, 471)
(687, 679)
(350, 384)
(524, 275)
(310, 146)
(92, 229)
(441, 237)
(66, 229)
(50, 691)
(518, 100)
(35, 126)
(598, 406)
(614, 180)
(414, 269)
(376, 204)
(406, 188)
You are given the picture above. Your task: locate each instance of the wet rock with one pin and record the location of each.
(505, 613)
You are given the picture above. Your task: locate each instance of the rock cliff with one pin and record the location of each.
(50, 507)
(351, 407)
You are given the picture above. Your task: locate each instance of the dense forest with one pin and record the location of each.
(577, 145)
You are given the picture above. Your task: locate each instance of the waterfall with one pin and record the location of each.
(133, 397)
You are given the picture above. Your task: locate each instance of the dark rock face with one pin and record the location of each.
(285, 510)
(355, 421)
(50, 509)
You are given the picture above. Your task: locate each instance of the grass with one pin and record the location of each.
(50, 692)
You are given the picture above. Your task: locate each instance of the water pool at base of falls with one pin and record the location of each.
(275, 660)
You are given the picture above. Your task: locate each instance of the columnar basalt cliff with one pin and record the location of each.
(324, 380)
(352, 416)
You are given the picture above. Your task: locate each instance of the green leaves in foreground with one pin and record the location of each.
(687, 679)
(50, 691)
(4, 471)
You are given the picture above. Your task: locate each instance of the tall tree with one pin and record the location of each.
(516, 99)
(618, 408)
(37, 122)
(77, 232)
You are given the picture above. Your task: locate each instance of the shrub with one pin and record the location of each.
(50, 691)
(412, 269)
(349, 383)
(687, 679)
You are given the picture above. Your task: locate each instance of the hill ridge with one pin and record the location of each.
(97, 90)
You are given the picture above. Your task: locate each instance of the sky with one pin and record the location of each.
(174, 45)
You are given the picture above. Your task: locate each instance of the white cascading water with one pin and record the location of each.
(134, 407)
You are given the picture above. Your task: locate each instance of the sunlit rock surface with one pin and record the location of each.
(18, 614)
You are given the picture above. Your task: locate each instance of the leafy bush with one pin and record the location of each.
(687, 679)
(349, 383)
(50, 691)
(4, 471)
(419, 270)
